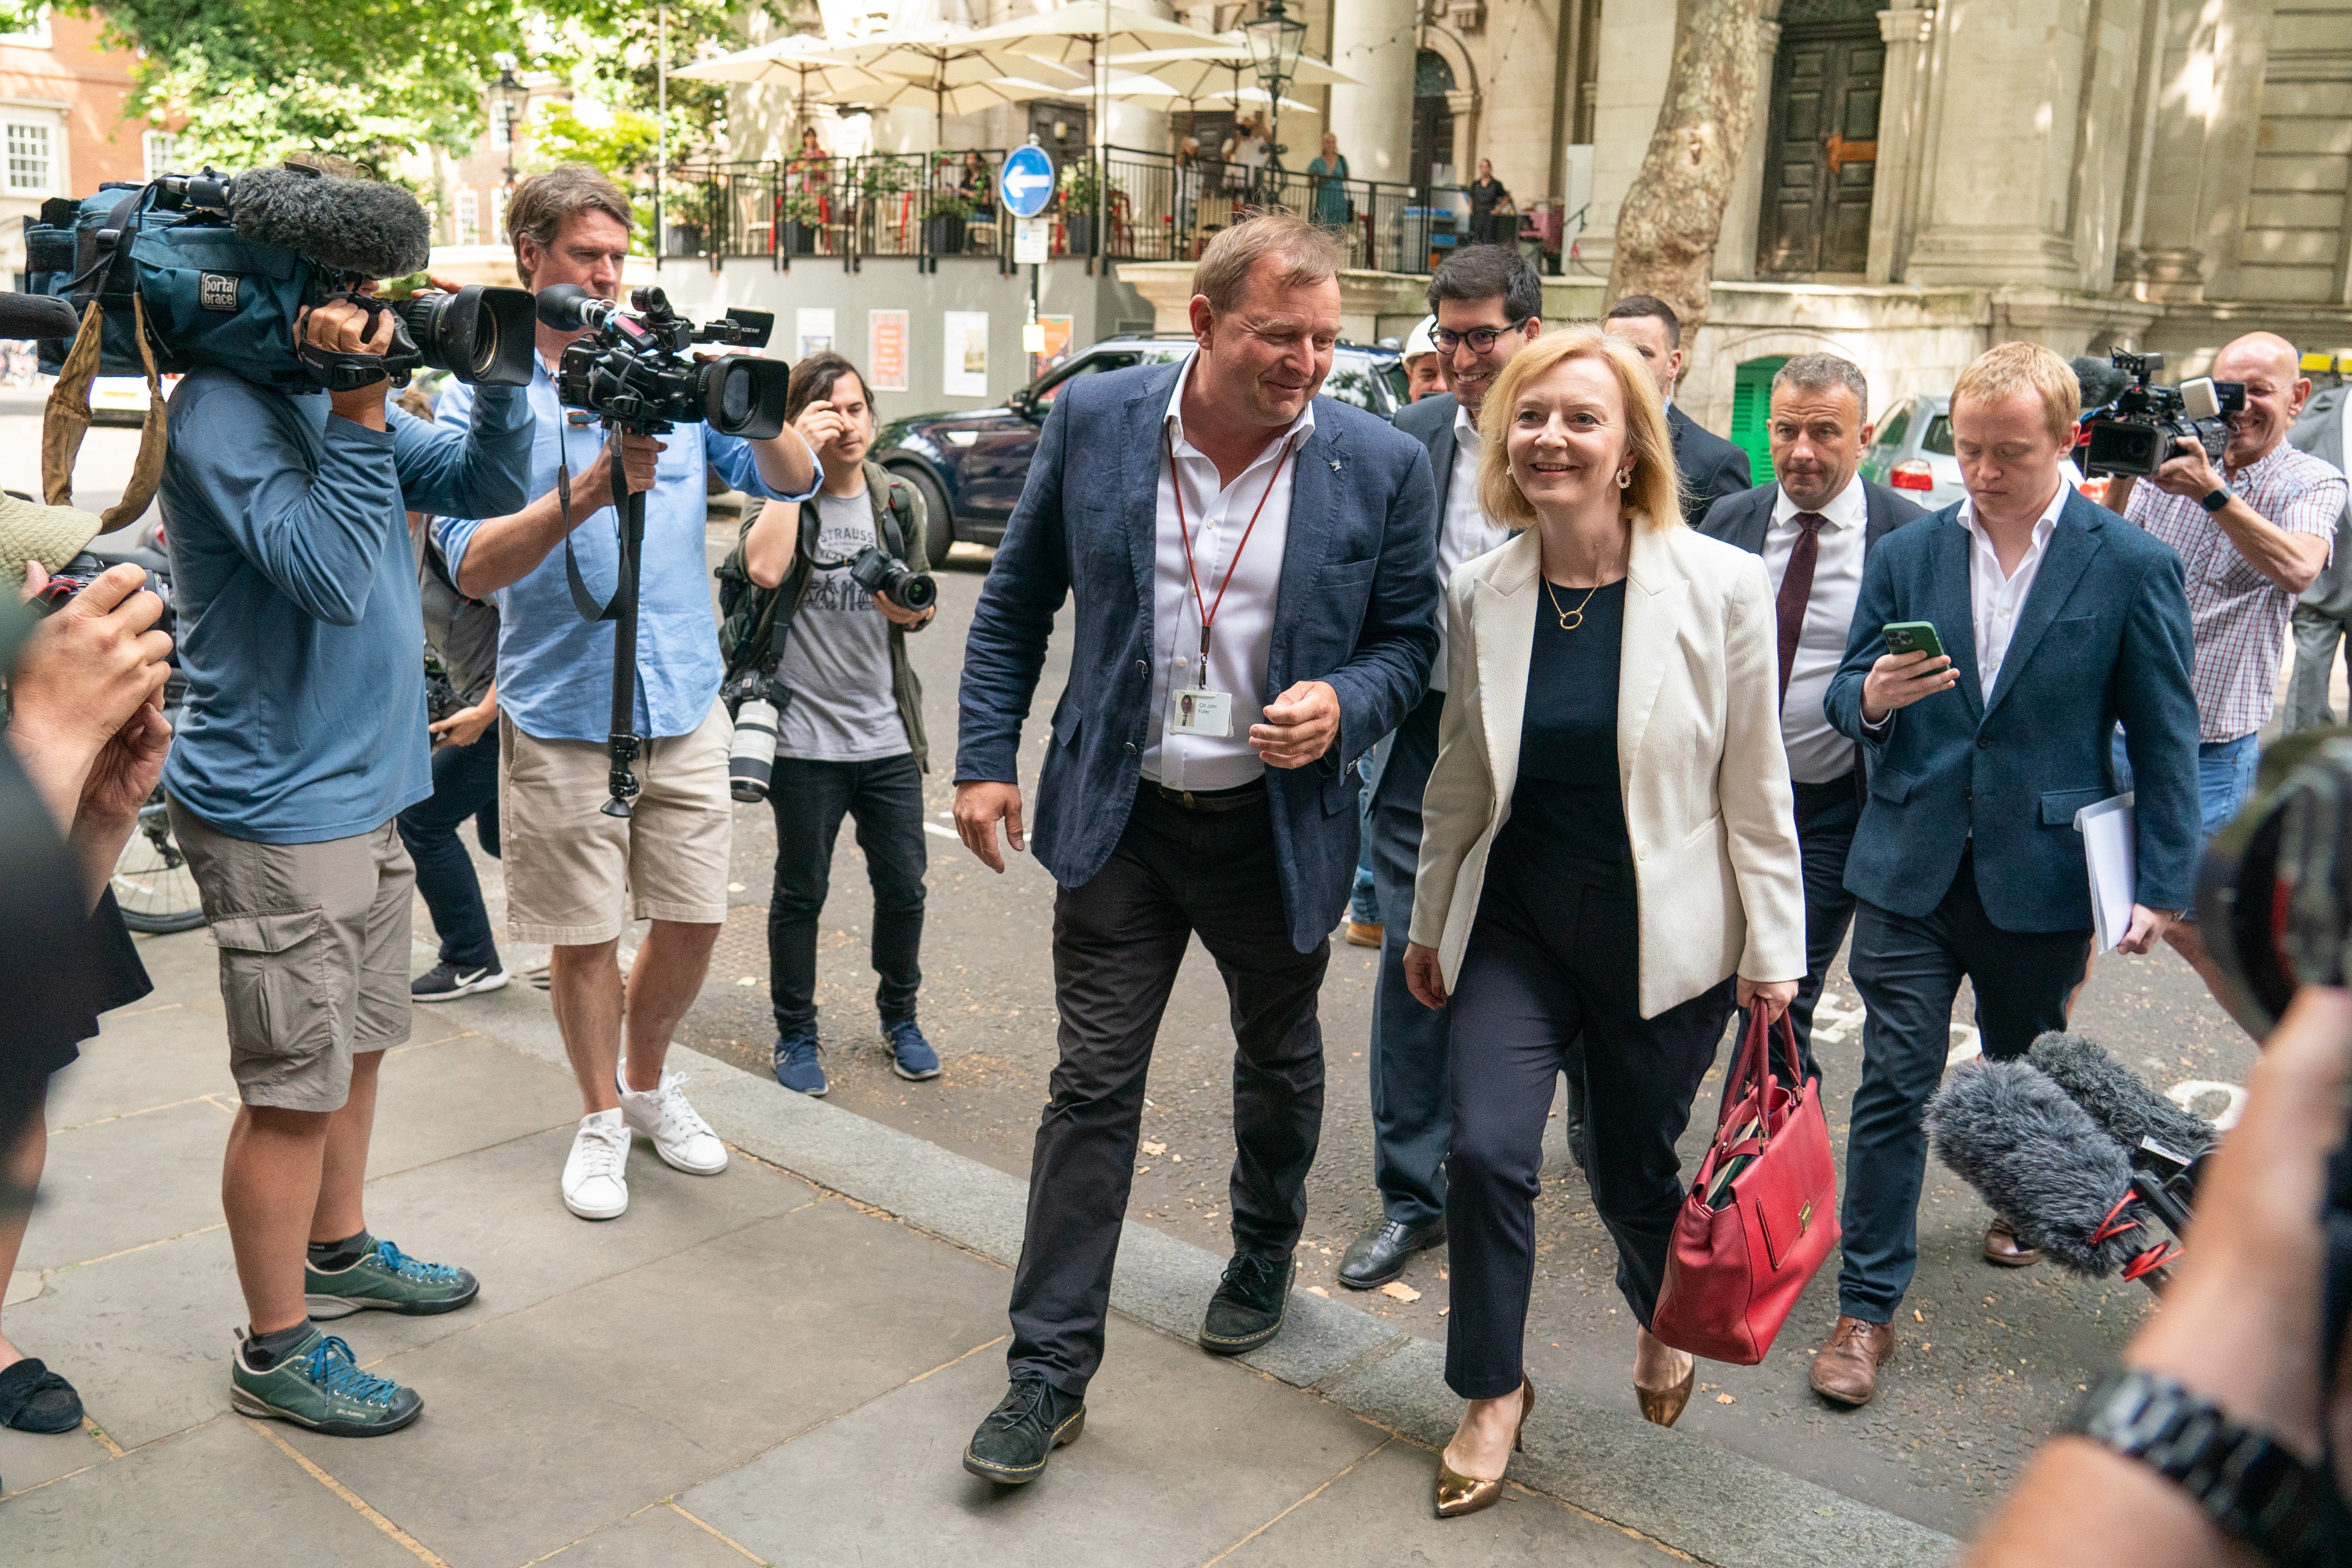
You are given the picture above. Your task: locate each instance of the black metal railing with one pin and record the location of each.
(1122, 205)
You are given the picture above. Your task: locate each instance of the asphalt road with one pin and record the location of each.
(1989, 1358)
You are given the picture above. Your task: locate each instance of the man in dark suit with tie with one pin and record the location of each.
(1815, 526)
(2056, 618)
(1169, 502)
(1711, 466)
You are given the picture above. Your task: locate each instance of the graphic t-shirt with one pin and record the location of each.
(836, 661)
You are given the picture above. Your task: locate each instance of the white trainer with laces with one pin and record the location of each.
(681, 1136)
(596, 1172)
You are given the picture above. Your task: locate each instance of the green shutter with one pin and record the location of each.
(1751, 402)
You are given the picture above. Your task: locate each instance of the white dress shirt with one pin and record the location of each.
(1818, 754)
(1244, 623)
(1465, 533)
(1996, 599)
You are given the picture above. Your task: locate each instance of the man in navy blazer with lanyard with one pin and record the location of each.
(1815, 526)
(1194, 784)
(2056, 620)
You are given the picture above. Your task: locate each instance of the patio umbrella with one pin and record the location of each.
(1214, 70)
(807, 64)
(942, 61)
(1089, 31)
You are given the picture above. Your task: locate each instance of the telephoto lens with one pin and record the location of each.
(752, 762)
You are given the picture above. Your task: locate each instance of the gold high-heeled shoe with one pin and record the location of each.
(1458, 1494)
(1663, 1407)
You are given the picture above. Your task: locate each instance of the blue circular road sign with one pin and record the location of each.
(1027, 182)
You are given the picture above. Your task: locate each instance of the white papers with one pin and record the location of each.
(2108, 845)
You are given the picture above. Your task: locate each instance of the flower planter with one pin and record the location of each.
(1079, 235)
(943, 234)
(797, 238)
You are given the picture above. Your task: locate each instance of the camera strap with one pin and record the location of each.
(625, 577)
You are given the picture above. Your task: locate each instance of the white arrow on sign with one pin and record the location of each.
(1021, 184)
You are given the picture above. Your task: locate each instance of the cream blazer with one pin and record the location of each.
(1719, 885)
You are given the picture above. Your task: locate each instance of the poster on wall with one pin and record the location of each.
(964, 373)
(885, 349)
(812, 330)
(1054, 346)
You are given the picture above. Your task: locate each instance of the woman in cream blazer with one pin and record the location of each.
(1607, 849)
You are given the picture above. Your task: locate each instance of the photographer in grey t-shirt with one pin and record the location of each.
(849, 739)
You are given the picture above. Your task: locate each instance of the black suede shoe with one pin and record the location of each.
(1381, 1253)
(1247, 1308)
(1022, 1433)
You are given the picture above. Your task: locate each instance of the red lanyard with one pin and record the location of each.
(1184, 532)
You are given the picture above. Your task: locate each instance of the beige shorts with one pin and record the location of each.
(313, 943)
(576, 876)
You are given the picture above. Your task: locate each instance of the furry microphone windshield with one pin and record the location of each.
(2043, 1165)
(360, 226)
(2123, 1106)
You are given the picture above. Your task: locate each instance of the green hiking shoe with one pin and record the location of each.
(388, 1280)
(318, 1384)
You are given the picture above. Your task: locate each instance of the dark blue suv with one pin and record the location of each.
(969, 466)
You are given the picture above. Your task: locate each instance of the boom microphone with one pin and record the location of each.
(2118, 1099)
(362, 226)
(2041, 1162)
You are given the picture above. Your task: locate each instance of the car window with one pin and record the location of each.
(1939, 439)
(1891, 433)
(1351, 381)
(1091, 365)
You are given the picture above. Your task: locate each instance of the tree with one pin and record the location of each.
(1667, 229)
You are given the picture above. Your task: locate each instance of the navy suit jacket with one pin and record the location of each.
(1430, 421)
(1711, 467)
(1356, 605)
(1745, 518)
(2103, 635)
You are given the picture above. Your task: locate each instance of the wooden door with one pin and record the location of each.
(1821, 150)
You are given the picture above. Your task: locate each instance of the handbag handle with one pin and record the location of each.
(1754, 1065)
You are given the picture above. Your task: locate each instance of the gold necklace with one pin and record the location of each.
(1569, 620)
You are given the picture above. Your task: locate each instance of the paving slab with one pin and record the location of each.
(29, 1459)
(546, 1423)
(657, 1537)
(1183, 1456)
(157, 1053)
(128, 1181)
(446, 1094)
(219, 1497)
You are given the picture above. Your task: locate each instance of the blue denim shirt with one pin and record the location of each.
(555, 670)
(300, 633)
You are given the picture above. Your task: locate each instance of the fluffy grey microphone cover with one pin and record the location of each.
(2117, 1097)
(359, 225)
(2038, 1159)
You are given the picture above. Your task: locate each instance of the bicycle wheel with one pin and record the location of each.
(152, 881)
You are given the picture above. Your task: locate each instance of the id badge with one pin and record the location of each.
(1200, 711)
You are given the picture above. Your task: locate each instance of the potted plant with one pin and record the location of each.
(943, 225)
(1082, 188)
(688, 216)
(799, 216)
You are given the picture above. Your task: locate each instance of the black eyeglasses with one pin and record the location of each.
(1482, 340)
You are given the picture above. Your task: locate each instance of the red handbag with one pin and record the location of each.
(1762, 1217)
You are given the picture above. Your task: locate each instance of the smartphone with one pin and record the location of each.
(1913, 637)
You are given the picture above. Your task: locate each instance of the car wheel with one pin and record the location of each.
(939, 532)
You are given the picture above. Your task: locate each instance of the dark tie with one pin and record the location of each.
(1797, 591)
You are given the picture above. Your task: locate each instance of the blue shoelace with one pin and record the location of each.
(417, 1269)
(333, 1368)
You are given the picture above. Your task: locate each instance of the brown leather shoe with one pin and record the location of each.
(2001, 1247)
(1360, 934)
(1846, 1370)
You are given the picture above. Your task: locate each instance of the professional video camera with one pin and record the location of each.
(216, 270)
(2138, 432)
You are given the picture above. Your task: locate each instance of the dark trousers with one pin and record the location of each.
(1554, 953)
(1827, 815)
(809, 799)
(1117, 942)
(465, 784)
(1412, 1105)
(1908, 970)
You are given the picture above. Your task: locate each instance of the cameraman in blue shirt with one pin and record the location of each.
(302, 740)
(574, 876)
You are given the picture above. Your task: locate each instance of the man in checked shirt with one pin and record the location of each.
(2251, 538)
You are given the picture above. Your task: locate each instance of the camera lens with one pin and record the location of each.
(915, 591)
(742, 395)
(482, 335)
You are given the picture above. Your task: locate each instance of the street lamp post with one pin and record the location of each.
(508, 97)
(1276, 41)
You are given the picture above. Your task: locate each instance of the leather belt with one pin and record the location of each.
(1249, 794)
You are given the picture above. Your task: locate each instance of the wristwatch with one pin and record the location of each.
(2216, 498)
(2249, 1484)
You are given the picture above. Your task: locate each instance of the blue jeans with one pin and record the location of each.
(1364, 900)
(2225, 781)
(465, 784)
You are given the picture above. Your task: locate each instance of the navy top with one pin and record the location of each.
(1567, 801)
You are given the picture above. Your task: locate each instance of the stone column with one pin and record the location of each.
(1374, 41)
(1906, 31)
(1735, 245)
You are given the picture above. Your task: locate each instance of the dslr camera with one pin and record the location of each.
(2139, 431)
(633, 369)
(876, 570)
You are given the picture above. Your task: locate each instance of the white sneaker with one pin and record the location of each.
(681, 1136)
(596, 1175)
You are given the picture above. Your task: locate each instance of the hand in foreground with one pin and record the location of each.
(592, 487)
(899, 615)
(1898, 680)
(342, 326)
(85, 671)
(2189, 472)
(980, 805)
(1776, 995)
(2148, 927)
(1300, 726)
(1423, 976)
(123, 776)
(820, 424)
(465, 726)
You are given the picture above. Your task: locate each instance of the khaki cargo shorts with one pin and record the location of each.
(575, 876)
(313, 943)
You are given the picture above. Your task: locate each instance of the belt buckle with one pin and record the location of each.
(1186, 797)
